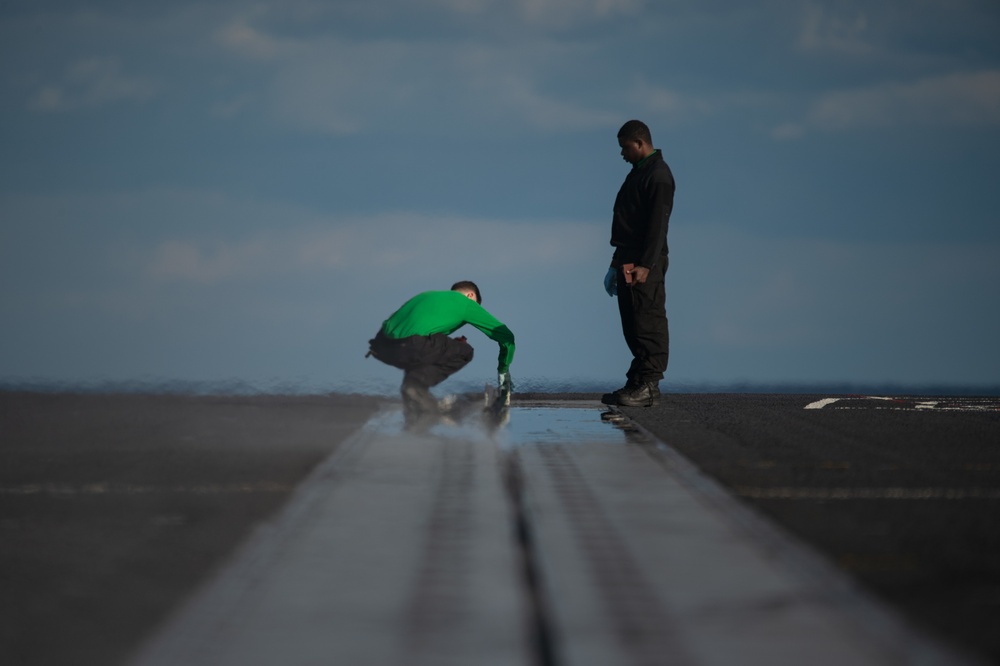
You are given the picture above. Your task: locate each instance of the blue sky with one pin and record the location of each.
(243, 191)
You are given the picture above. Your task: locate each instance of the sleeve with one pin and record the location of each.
(495, 330)
(661, 202)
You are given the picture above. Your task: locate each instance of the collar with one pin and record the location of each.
(646, 158)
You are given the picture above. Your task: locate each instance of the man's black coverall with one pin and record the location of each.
(639, 235)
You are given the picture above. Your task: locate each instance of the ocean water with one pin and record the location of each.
(300, 386)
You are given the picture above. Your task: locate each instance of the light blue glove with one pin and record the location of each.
(611, 282)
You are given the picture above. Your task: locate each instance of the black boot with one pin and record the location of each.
(612, 398)
(417, 399)
(640, 395)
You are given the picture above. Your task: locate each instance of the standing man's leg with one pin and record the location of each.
(627, 314)
(652, 333)
(630, 331)
(645, 327)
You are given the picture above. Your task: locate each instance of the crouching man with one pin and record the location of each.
(416, 339)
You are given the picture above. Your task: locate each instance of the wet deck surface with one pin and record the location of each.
(557, 538)
(317, 530)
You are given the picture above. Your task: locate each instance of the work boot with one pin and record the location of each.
(612, 398)
(418, 399)
(640, 395)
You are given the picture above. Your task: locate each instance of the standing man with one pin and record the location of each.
(639, 265)
(415, 339)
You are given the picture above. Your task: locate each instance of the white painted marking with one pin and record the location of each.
(820, 404)
(904, 403)
(890, 493)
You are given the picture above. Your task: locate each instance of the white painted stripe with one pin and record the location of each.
(901, 403)
(820, 404)
(890, 493)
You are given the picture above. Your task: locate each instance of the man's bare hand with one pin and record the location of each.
(639, 274)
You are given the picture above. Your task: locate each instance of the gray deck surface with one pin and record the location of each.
(403, 549)
(708, 530)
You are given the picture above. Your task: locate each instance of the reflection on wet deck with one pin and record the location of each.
(549, 537)
(520, 425)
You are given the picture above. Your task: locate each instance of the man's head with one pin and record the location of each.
(469, 289)
(635, 141)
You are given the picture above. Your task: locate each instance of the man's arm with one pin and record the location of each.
(495, 330)
(505, 338)
(661, 202)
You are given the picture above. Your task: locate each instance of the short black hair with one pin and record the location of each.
(635, 130)
(468, 285)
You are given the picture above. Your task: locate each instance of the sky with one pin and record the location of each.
(236, 193)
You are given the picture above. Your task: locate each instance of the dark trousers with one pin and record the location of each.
(644, 323)
(426, 360)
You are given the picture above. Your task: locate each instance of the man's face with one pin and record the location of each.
(632, 151)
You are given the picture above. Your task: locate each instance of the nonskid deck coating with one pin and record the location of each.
(399, 550)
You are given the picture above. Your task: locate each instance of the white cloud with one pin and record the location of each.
(673, 106)
(336, 84)
(206, 263)
(956, 100)
(562, 13)
(822, 31)
(343, 87)
(92, 83)
(400, 244)
(546, 13)
(816, 292)
(517, 96)
(788, 131)
(340, 87)
(242, 38)
(232, 107)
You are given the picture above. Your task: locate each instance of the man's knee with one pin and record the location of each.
(459, 355)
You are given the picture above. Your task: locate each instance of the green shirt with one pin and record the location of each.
(445, 312)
